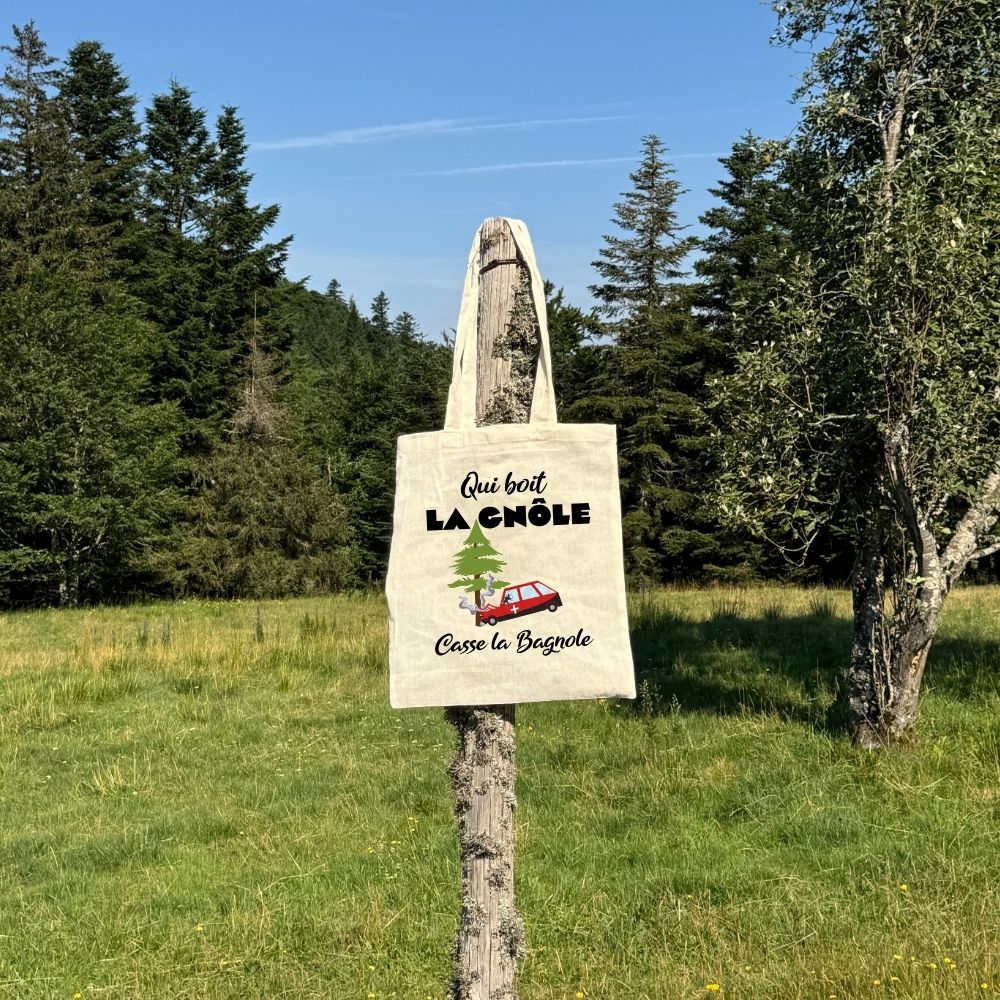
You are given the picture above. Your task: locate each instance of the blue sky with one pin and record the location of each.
(388, 131)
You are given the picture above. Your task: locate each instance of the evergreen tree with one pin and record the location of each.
(747, 244)
(404, 327)
(244, 270)
(351, 401)
(189, 367)
(575, 354)
(86, 466)
(652, 378)
(105, 131)
(473, 561)
(209, 275)
(380, 317)
(741, 272)
(263, 522)
(39, 172)
(178, 155)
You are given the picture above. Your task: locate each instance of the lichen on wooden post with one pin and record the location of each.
(490, 937)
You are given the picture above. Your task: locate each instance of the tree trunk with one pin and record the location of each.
(490, 935)
(889, 649)
(886, 671)
(867, 687)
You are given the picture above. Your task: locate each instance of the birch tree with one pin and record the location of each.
(871, 393)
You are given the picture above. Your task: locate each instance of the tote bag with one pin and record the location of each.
(505, 579)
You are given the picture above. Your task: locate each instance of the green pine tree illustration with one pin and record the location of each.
(473, 561)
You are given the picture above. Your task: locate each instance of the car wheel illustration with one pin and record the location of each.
(553, 606)
(491, 620)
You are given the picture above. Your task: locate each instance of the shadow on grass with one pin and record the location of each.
(789, 665)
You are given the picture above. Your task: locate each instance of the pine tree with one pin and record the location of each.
(38, 171)
(575, 353)
(473, 561)
(741, 272)
(747, 244)
(264, 521)
(380, 317)
(652, 377)
(105, 130)
(641, 269)
(86, 466)
(178, 154)
(209, 273)
(189, 367)
(244, 270)
(404, 327)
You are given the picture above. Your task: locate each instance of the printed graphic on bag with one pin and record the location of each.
(477, 565)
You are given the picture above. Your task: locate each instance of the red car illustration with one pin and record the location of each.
(521, 599)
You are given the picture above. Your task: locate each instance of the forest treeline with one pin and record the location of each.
(177, 417)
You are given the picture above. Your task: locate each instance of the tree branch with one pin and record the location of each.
(978, 522)
(990, 550)
(919, 530)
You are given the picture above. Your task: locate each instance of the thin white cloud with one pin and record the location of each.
(431, 126)
(491, 168)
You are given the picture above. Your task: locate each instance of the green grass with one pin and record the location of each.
(198, 803)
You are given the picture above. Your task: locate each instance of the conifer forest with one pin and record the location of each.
(812, 382)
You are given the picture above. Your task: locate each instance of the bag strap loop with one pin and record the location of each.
(461, 413)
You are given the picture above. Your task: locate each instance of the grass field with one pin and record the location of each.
(204, 800)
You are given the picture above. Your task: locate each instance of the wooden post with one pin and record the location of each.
(490, 936)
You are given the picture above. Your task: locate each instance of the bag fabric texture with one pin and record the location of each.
(505, 580)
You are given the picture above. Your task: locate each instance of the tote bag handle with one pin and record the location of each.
(461, 413)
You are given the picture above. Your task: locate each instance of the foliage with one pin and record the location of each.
(874, 397)
(474, 560)
(882, 327)
(261, 522)
(86, 466)
(651, 381)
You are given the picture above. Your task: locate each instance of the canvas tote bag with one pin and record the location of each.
(505, 579)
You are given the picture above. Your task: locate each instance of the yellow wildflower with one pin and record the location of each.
(898, 958)
(904, 888)
(876, 982)
(932, 965)
(712, 987)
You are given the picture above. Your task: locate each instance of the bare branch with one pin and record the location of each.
(975, 526)
(917, 526)
(985, 553)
